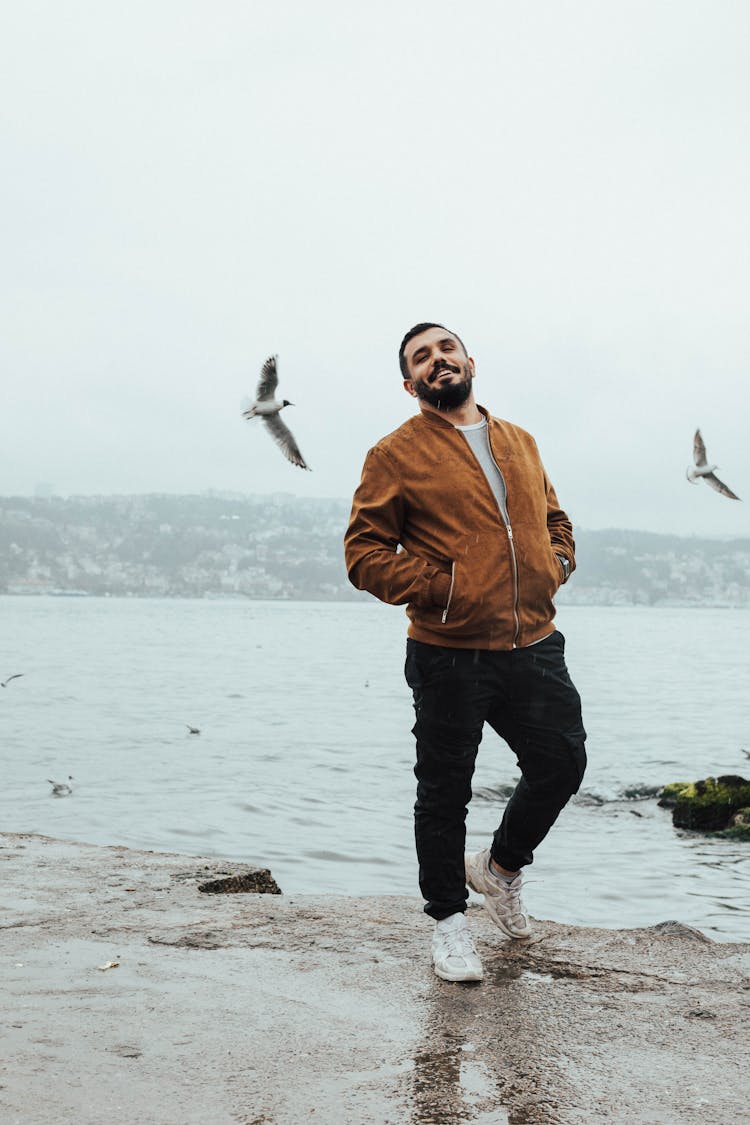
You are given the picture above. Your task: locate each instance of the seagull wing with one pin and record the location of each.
(713, 480)
(284, 438)
(15, 676)
(269, 380)
(699, 449)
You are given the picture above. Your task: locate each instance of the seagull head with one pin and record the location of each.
(286, 402)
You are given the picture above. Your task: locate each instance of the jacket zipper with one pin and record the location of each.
(509, 529)
(450, 593)
(515, 585)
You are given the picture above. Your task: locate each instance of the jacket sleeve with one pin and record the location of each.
(560, 528)
(372, 539)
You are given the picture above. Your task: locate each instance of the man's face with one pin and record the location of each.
(440, 372)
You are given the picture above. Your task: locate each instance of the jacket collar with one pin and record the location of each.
(440, 422)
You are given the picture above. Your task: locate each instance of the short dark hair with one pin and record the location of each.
(417, 330)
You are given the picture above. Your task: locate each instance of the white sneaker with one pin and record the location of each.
(453, 953)
(502, 899)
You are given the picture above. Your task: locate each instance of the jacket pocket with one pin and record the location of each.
(540, 577)
(446, 610)
(558, 577)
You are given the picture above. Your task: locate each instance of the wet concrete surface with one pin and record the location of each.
(262, 1008)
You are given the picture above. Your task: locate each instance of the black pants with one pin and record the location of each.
(527, 696)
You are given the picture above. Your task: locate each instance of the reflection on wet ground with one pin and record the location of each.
(472, 1065)
(452, 1085)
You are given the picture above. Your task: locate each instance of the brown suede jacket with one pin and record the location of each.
(426, 530)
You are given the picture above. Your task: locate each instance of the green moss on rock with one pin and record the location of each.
(707, 805)
(669, 794)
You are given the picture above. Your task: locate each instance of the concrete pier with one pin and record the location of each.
(129, 996)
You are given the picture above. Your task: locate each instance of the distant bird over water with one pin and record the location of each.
(701, 469)
(16, 676)
(61, 788)
(193, 730)
(267, 407)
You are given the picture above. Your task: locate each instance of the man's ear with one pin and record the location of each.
(409, 388)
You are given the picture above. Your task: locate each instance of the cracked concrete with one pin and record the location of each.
(262, 1008)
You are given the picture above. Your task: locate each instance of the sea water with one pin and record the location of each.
(304, 759)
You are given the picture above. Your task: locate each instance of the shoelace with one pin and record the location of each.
(514, 894)
(459, 943)
(513, 891)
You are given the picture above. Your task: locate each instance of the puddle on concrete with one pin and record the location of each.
(475, 1081)
(503, 972)
(537, 978)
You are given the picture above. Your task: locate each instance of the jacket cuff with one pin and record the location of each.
(564, 566)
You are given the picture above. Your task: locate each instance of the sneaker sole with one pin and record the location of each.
(445, 975)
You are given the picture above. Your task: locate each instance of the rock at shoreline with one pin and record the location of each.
(257, 882)
(714, 804)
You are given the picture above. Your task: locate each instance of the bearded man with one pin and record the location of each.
(455, 517)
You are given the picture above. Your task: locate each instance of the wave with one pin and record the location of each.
(588, 798)
(490, 794)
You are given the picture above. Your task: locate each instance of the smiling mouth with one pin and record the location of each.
(441, 372)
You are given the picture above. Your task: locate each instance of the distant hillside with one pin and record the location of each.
(641, 567)
(282, 546)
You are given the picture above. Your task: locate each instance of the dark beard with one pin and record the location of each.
(446, 398)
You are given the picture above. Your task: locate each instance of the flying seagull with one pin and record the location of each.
(193, 730)
(61, 788)
(701, 468)
(16, 676)
(267, 407)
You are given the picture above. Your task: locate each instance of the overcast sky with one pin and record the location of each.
(188, 187)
